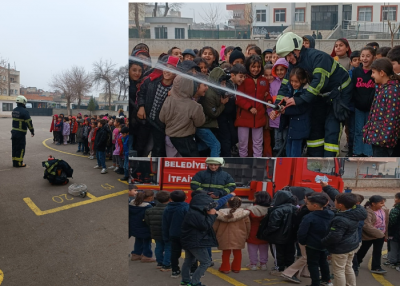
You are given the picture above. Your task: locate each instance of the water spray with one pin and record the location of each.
(159, 66)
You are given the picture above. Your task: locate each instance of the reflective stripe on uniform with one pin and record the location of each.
(346, 83)
(19, 159)
(315, 143)
(28, 121)
(279, 97)
(312, 90)
(19, 129)
(331, 147)
(227, 190)
(285, 81)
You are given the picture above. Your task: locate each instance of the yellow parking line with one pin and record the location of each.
(379, 277)
(225, 277)
(1, 276)
(47, 146)
(39, 212)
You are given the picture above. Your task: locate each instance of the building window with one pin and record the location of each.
(161, 32)
(7, 106)
(4, 91)
(365, 14)
(299, 14)
(279, 15)
(179, 33)
(389, 13)
(12, 79)
(261, 16)
(15, 91)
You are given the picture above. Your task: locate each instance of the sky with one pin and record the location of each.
(44, 37)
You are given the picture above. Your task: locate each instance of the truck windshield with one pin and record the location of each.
(321, 165)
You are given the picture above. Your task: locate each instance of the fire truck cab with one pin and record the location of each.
(250, 174)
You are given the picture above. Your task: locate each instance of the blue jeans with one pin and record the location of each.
(361, 118)
(163, 252)
(142, 246)
(208, 138)
(201, 254)
(126, 166)
(101, 159)
(293, 147)
(80, 146)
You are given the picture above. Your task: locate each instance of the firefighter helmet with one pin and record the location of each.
(21, 99)
(287, 43)
(215, 160)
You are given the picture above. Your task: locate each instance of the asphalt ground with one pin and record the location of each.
(66, 240)
(147, 274)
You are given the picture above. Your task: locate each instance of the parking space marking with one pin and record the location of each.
(269, 281)
(93, 199)
(1, 276)
(379, 277)
(47, 146)
(226, 278)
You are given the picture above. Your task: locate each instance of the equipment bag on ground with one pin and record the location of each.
(57, 171)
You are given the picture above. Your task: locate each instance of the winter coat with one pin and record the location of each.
(107, 127)
(59, 126)
(114, 135)
(229, 112)
(343, 235)
(257, 213)
(232, 233)
(382, 128)
(296, 117)
(118, 145)
(257, 88)
(369, 230)
(220, 183)
(137, 225)
(92, 137)
(197, 226)
(311, 39)
(74, 126)
(314, 227)
(86, 131)
(66, 131)
(153, 217)
(125, 142)
(319, 64)
(79, 132)
(280, 219)
(53, 123)
(211, 101)
(332, 193)
(172, 220)
(100, 142)
(363, 89)
(180, 113)
(273, 91)
(394, 223)
(300, 214)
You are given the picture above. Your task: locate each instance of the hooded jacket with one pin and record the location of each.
(220, 183)
(66, 129)
(226, 228)
(370, 232)
(153, 217)
(257, 213)
(343, 234)
(394, 223)
(197, 226)
(314, 227)
(211, 102)
(280, 219)
(79, 132)
(74, 125)
(180, 113)
(100, 142)
(311, 40)
(53, 124)
(137, 225)
(172, 220)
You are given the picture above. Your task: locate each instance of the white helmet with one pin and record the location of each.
(21, 99)
(287, 43)
(215, 160)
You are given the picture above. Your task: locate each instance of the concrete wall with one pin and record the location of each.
(85, 111)
(372, 183)
(161, 46)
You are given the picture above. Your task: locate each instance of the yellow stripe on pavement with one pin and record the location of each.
(225, 277)
(93, 199)
(47, 146)
(379, 277)
(1, 276)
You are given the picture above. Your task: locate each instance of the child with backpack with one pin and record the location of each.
(139, 229)
(257, 248)
(232, 222)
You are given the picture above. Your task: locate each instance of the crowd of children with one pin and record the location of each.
(323, 226)
(101, 137)
(173, 115)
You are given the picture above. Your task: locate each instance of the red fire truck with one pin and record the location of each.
(250, 174)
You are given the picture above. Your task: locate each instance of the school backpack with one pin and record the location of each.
(57, 171)
(263, 226)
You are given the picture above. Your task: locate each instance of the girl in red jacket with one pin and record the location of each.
(54, 129)
(251, 114)
(74, 129)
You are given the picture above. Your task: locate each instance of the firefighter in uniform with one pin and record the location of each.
(329, 92)
(21, 120)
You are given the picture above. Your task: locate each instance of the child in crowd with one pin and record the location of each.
(341, 52)
(274, 56)
(125, 139)
(382, 52)
(74, 129)
(188, 55)
(138, 228)
(251, 114)
(118, 146)
(394, 234)
(85, 136)
(172, 220)
(54, 129)
(254, 50)
(382, 129)
(66, 130)
(227, 53)
(232, 222)
(181, 114)
(342, 238)
(312, 229)
(267, 56)
(91, 138)
(257, 248)
(237, 57)
(153, 218)
(211, 56)
(202, 64)
(175, 52)
(100, 144)
(375, 231)
(354, 61)
(363, 96)
(394, 56)
(79, 136)
(360, 199)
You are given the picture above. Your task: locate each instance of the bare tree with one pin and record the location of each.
(104, 78)
(392, 26)
(212, 15)
(155, 9)
(122, 78)
(81, 82)
(172, 6)
(63, 83)
(137, 11)
(249, 17)
(3, 75)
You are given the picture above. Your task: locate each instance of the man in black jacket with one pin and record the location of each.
(100, 144)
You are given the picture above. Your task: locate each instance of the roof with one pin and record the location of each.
(38, 97)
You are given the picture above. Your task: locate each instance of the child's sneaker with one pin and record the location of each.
(385, 256)
(146, 259)
(292, 279)
(398, 268)
(252, 267)
(159, 265)
(97, 167)
(329, 283)
(125, 179)
(263, 266)
(116, 169)
(378, 271)
(276, 273)
(184, 283)
(135, 257)
(177, 274)
(104, 171)
(111, 167)
(166, 268)
(91, 157)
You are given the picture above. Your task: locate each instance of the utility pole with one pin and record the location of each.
(9, 83)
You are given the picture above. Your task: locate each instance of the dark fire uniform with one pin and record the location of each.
(21, 121)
